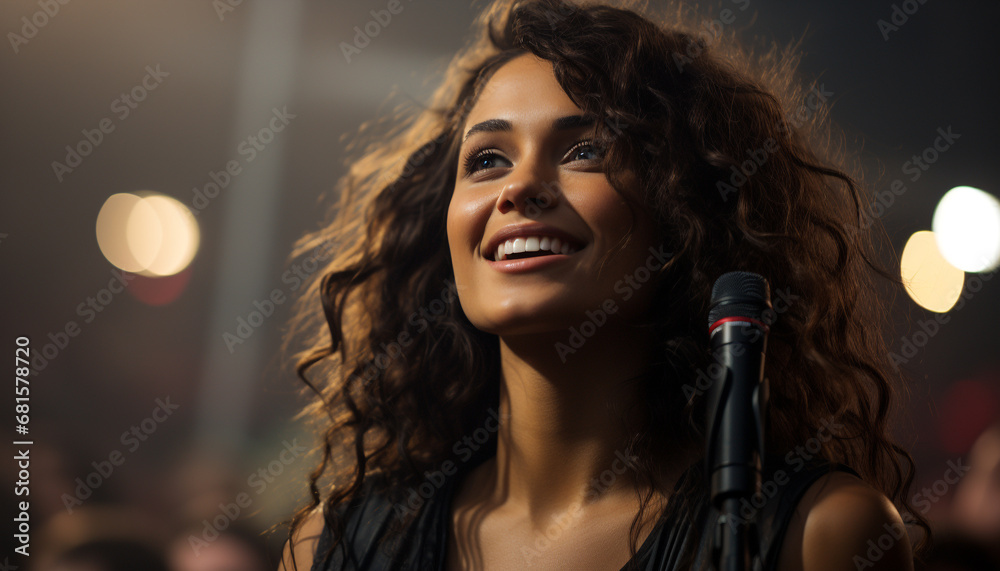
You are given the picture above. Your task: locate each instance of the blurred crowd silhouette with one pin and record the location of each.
(967, 537)
(194, 522)
(99, 537)
(103, 542)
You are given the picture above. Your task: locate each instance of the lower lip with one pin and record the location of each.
(526, 264)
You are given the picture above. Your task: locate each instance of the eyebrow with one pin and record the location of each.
(502, 125)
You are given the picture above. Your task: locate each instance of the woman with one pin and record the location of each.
(516, 315)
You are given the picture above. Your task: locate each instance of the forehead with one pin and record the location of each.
(522, 90)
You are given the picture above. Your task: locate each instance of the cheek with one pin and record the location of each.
(451, 230)
(608, 214)
(460, 229)
(454, 223)
(612, 220)
(466, 222)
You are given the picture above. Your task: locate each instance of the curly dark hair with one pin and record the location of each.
(739, 173)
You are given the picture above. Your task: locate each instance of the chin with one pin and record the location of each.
(526, 319)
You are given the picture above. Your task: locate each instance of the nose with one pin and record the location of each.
(528, 192)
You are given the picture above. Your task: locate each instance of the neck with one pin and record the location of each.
(562, 442)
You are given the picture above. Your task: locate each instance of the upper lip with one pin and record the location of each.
(528, 229)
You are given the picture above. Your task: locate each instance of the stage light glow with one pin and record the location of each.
(930, 280)
(112, 226)
(179, 236)
(147, 233)
(967, 226)
(144, 233)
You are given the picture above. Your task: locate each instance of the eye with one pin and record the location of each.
(583, 151)
(482, 159)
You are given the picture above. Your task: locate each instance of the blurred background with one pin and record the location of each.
(189, 143)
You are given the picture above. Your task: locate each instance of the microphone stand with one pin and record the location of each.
(735, 449)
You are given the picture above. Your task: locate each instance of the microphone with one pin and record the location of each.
(738, 327)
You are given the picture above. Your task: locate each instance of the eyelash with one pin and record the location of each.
(481, 152)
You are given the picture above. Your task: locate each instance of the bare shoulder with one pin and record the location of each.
(843, 523)
(299, 555)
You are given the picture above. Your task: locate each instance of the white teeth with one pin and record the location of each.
(532, 244)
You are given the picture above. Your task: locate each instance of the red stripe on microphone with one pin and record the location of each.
(739, 319)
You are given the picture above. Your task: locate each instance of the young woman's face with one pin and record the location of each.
(529, 182)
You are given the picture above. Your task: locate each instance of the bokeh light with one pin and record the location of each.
(147, 233)
(112, 224)
(930, 280)
(967, 225)
(967, 408)
(160, 290)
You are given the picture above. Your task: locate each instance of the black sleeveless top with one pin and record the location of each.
(423, 545)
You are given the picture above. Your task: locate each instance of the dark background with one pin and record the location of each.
(226, 74)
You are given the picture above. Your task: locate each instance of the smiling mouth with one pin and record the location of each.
(532, 247)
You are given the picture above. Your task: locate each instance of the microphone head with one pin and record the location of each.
(739, 294)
